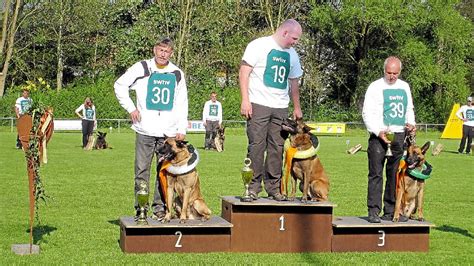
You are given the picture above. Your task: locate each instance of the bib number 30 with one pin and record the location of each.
(160, 91)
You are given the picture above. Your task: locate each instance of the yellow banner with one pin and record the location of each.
(453, 129)
(328, 128)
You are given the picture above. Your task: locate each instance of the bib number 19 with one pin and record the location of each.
(280, 73)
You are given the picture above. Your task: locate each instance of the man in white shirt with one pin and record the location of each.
(466, 114)
(388, 107)
(269, 72)
(22, 105)
(212, 120)
(161, 110)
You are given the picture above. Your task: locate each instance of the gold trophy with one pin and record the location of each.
(142, 199)
(390, 136)
(247, 175)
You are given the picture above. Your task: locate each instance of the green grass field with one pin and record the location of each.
(89, 191)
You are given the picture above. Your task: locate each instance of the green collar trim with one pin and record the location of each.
(424, 173)
(302, 154)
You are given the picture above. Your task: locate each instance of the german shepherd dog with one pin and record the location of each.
(410, 189)
(314, 183)
(219, 139)
(100, 142)
(188, 203)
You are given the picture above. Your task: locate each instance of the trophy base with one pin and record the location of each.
(246, 199)
(25, 249)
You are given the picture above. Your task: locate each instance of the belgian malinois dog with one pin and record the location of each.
(410, 188)
(314, 183)
(183, 180)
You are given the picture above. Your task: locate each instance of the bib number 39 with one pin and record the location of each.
(160, 91)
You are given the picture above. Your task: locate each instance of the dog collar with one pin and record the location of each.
(424, 173)
(183, 169)
(303, 154)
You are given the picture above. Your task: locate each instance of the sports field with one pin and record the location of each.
(90, 190)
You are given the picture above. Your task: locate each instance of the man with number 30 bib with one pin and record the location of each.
(161, 110)
(388, 108)
(269, 73)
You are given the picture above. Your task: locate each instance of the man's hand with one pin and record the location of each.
(135, 116)
(297, 114)
(180, 136)
(246, 109)
(411, 129)
(383, 137)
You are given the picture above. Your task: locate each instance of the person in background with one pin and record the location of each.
(388, 107)
(466, 114)
(87, 113)
(269, 73)
(212, 120)
(22, 105)
(161, 111)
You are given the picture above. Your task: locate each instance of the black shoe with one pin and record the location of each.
(373, 219)
(402, 219)
(277, 197)
(253, 195)
(159, 215)
(387, 217)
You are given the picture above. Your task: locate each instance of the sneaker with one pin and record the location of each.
(159, 215)
(387, 217)
(374, 219)
(277, 197)
(253, 195)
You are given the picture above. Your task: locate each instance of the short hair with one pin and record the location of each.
(391, 58)
(166, 41)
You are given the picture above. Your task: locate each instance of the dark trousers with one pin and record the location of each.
(18, 142)
(376, 157)
(211, 132)
(87, 130)
(467, 133)
(145, 148)
(266, 137)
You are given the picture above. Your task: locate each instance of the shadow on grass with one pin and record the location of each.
(39, 231)
(457, 230)
(114, 222)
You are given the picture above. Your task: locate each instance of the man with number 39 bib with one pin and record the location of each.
(388, 108)
(269, 73)
(161, 110)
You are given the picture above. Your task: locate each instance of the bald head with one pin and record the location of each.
(288, 33)
(392, 68)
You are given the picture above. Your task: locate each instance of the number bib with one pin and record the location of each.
(213, 110)
(89, 113)
(470, 115)
(277, 69)
(25, 105)
(160, 91)
(394, 107)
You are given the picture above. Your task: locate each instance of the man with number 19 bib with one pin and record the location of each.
(269, 72)
(388, 107)
(161, 110)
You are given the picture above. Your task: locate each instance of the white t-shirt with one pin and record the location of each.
(87, 113)
(272, 67)
(212, 111)
(467, 112)
(388, 106)
(162, 98)
(23, 104)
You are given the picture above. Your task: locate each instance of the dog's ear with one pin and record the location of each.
(425, 147)
(181, 143)
(307, 129)
(105, 134)
(164, 135)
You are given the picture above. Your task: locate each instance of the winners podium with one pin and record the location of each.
(266, 225)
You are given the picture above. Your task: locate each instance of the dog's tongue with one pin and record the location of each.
(411, 166)
(162, 158)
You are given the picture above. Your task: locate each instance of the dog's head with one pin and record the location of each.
(101, 135)
(295, 127)
(416, 155)
(175, 151)
(221, 132)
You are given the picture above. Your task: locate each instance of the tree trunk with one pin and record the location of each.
(10, 44)
(60, 65)
(4, 27)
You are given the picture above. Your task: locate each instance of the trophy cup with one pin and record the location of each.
(247, 175)
(390, 136)
(142, 199)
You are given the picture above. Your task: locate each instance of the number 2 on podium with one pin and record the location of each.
(178, 242)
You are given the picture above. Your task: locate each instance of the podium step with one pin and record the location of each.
(357, 234)
(267, 225)
(193, 236)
